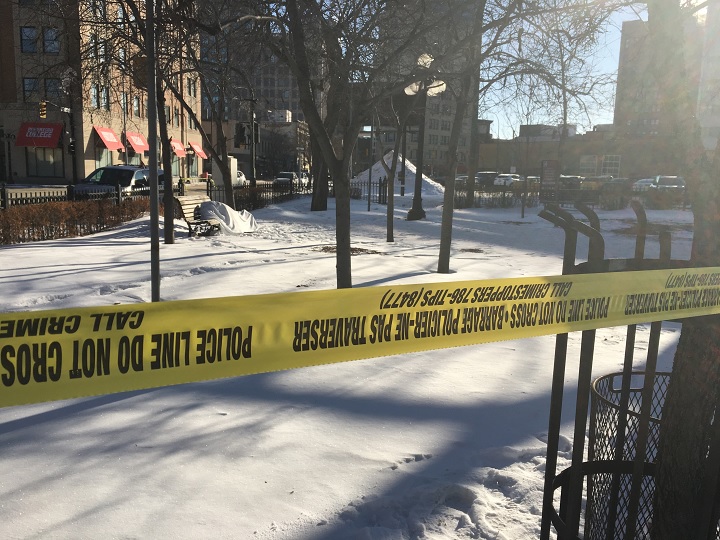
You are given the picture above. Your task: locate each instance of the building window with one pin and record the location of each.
(588, 165)
(122, 59)
(192, 166)
(46, 162)
(136, 106)
(103, 156)
(51, 41)
(176, 117)
(105, 98)
(31, 87)
(94, 96)
(168, 118)
(101, 52)
(99, 8)
(611, 165)
(92, 45)
(53, 88)
(28, 39)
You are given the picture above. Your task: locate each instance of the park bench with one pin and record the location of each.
(189, 206)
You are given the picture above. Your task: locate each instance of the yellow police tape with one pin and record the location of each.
(59, 354)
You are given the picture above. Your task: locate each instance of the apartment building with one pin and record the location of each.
(638, 109)
(73, 97)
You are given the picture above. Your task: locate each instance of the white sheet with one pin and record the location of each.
(231, 221)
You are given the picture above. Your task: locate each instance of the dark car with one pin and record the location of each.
(109, 179)
(485, 179)
(286, 178)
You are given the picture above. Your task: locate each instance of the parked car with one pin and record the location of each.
(643, 184)
(570, 181)
(506, 179)
(286, 178)
(668, 183)
(461, 181)
(665, 192)
(108, 179)
(485, 179)
(595, 183)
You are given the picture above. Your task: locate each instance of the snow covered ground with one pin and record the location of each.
(442, 444)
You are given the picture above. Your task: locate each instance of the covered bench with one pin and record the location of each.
(189, 206)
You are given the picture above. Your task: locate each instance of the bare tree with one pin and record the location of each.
(346, 63)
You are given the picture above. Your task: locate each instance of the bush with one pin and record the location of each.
(48, 221)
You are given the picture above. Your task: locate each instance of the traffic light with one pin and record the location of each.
(240, 137)
(43, 109)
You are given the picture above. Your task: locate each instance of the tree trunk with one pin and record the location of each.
(687, 418)
(342, 228)
(319, 175)
(684, 482)
(168, 220)
(461, 106)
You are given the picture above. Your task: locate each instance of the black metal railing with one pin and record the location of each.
(263, 194)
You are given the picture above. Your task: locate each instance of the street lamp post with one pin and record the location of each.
(416, 211)
(424, 88)
(253, 151)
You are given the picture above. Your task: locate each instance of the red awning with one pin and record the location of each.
(111, 141)
(39, 134)
(178, 148)
(198, 149)
(137, 141)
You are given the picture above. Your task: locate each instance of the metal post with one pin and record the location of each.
(372, 156)
(417, 212)
(565, 220)
(402, 168)
(153, 162)
(587, 347)
(252, 142)
(73, 156)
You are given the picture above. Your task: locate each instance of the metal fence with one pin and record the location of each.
(377, 191)
(259, 196)
(497, 197)
(25, 195)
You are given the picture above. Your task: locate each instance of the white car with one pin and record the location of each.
(507, 179)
